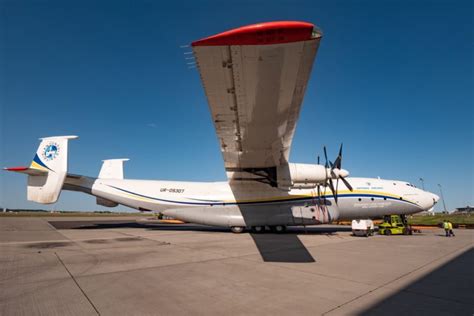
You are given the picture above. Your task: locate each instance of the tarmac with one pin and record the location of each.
(134, 266)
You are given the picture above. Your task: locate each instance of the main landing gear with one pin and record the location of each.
(237, 229)
(278, 229)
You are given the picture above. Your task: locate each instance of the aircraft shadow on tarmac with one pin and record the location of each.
(284, 247)
(447, 290)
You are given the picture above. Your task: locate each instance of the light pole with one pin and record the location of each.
(422, 183)
(442, 197)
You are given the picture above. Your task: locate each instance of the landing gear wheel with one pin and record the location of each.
(278, 229)
(258, 229)
(237, 229)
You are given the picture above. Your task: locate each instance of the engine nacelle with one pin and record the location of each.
(300, 174)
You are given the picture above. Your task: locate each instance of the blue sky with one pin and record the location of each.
(393, 80)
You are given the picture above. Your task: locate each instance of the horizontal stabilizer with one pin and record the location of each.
(27, 170)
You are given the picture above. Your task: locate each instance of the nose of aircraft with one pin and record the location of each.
(428, 200)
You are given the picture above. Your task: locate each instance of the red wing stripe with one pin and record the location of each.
(261, 34)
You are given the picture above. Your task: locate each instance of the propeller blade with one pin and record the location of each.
(334, 192)
(347, 184)
(318, 159)
(319, 195)
(338, 161)
(326, 156)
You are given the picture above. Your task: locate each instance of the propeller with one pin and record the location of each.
(335, 172)
(319, 190)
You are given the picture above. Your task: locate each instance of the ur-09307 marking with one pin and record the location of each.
(172, 190)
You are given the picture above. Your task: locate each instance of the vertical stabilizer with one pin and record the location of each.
(112, 169)
(51, 157)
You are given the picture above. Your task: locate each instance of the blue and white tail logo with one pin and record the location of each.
(51, 151)
(52, 154)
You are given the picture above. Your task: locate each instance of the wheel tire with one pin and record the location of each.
(388, 232)
(237, 229)
(278, 229)
(258, 229)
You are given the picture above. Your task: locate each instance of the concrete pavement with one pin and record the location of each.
(124, 266)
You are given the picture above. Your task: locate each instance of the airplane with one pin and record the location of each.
(254, 78)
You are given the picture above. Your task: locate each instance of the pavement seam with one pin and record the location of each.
(75, 281)
(47, 222)
(396, 279)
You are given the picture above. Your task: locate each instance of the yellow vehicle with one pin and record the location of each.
(395, 225)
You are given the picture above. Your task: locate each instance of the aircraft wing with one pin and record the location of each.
(255, 78)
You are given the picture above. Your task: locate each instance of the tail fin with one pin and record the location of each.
(51, 161)
(112, 169)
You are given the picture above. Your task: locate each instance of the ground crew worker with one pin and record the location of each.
(450, 227)
(446, 228)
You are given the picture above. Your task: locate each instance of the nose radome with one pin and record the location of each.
(428, 200)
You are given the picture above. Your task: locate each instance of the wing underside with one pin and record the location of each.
(255, 85)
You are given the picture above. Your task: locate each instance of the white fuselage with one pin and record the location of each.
(224, 204)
